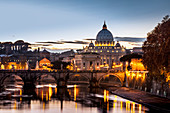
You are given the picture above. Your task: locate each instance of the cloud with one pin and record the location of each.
(57, 50)
(63, 42)
(130, 39)
(89, 39)
(76, 42)
(50, 42)
(127, 39)
(38, 45)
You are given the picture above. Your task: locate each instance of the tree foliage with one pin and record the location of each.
(156, 48)
(57, 64)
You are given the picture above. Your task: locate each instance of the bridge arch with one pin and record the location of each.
(113, 76)
(12, 79)
(46, 78)
(78, 78)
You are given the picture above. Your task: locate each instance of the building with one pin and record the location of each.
(17, 47)
(109, 52)
(137, 50)
(44, 54)
(86, 61)
(66, 54)
(44, 64)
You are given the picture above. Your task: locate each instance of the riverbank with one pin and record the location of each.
(160, 104)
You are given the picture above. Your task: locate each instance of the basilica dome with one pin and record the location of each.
(104, 34)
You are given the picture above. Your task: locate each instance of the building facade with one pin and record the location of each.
(86, 61)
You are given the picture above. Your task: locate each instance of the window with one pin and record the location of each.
(100, 50)
(91, 63)
(107, 50)
(107, 61)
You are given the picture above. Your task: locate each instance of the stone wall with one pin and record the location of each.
(148, 85)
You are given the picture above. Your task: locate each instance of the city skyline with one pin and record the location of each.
(74, 21)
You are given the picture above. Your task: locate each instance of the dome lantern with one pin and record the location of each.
(104, 25)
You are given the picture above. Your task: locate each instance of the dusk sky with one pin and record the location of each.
(69, 20)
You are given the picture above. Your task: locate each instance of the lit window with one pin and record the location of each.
(107, 50)
(112, 50)
(100, 50)
(96, 51)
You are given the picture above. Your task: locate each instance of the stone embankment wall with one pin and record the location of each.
(148, 85)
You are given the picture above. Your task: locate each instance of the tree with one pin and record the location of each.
(57, 64)
(157, 48)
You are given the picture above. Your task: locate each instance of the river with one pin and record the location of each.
(73, 99)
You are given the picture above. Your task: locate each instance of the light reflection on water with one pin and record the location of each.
(74, 98)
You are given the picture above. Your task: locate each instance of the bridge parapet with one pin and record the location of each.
(32, 75)
(63, 71)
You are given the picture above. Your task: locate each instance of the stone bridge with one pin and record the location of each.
(94, 78)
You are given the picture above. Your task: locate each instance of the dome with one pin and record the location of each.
(117, 44)
(104, 34)
(19, 42)
(91, 44)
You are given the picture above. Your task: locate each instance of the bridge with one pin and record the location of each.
(63, 77)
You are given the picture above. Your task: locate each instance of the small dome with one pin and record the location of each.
(91, 44)
(104, 34)
(118, 44)
(19, 42)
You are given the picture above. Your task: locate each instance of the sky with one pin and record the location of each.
(75, 20)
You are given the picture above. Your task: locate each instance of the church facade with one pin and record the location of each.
(108, 51)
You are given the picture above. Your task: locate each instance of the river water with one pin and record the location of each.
(73, 99)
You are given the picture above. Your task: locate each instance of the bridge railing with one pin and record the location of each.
(65, 71)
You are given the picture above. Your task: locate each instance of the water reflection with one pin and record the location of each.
(74, 98)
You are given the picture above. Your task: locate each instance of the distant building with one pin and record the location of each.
(44, 64)
(67, 59)
(86, 61)
(17, 47)
(54, 57)
(66, 54)
(137, 50)
(44, 54)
